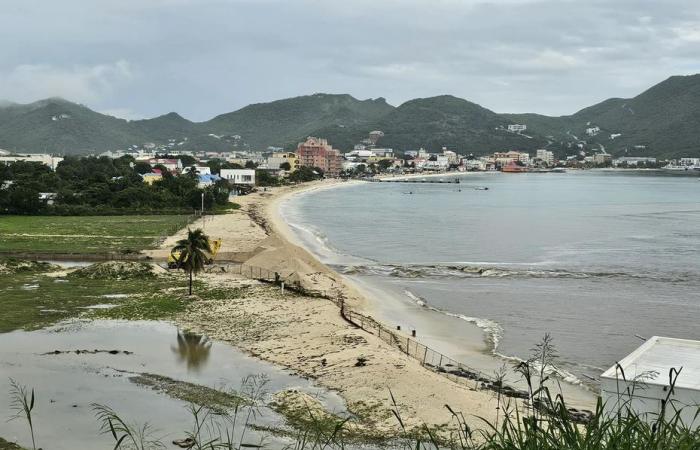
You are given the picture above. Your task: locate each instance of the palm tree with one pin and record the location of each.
(192, 253)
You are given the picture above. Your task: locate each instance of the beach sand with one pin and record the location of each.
(307, 333)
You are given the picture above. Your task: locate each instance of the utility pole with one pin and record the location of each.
(202, 213)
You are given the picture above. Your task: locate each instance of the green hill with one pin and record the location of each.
(662, 121)
(436, 122)
(285, 122)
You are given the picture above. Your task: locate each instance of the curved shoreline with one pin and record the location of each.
(473, 348)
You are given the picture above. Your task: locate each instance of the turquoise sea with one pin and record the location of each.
(598, 259)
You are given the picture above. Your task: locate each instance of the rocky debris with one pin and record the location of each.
(89, 352)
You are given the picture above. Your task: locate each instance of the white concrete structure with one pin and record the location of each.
(239, 176)
(592, 131)
(689, 162)
(545, 156)
(47, 160)
(517, 128)
(646, 380)
(200, 170)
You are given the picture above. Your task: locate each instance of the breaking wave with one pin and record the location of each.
(486, 271)
(494, 333)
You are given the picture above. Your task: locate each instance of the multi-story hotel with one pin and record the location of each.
(317, 152)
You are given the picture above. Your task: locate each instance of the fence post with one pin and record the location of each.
(408, 342)
(425, 354)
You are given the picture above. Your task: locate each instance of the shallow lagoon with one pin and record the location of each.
(66, 384)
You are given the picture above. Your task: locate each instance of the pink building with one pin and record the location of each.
(316, 152)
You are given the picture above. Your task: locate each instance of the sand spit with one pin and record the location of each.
(306, 333)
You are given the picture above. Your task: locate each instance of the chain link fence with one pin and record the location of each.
(429, 358)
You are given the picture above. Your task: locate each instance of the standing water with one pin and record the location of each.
(67, 382)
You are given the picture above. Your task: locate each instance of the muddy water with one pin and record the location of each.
(66, 384)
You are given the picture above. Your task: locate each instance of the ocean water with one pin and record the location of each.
(594, 258)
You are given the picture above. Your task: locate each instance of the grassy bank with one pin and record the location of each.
(86, 234)
(34, 297)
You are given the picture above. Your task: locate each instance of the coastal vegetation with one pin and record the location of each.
(192, 253)
(220, 421)
(86, 234)
(102, 186)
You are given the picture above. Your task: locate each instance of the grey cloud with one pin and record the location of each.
(205, 57)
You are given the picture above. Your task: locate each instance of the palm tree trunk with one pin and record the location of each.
(190, 281)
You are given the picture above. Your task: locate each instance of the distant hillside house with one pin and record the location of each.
(317, 152)
(47, 160)
(517, 127)
(592, 131)
(239, 176)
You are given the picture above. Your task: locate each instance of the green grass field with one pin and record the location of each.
(85, 234)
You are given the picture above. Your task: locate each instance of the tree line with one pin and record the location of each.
(101, 185)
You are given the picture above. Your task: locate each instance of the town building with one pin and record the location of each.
(47, 160)
(317, 152)
(504, 158)
(206, 180)
(199, 170)
(633, 161)
(517, 127)
(239, 176)
(545, 156)
(172, 165)
(689, 162)
(150, 178)
(278, 158)
(602, 158)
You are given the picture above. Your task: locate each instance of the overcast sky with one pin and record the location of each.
(143, 58)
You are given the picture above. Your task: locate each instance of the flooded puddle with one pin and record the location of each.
(78, 363)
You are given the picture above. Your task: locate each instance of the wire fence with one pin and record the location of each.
(429, 358)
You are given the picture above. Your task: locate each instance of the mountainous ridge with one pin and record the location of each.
(662, 121)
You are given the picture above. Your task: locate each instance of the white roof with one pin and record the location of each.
(660, 354)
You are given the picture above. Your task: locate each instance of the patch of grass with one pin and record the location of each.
(86, 234)
(146, 307)
(5, 445)
(218, 401)
(33, 301)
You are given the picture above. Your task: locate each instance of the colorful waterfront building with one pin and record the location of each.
(317, 152)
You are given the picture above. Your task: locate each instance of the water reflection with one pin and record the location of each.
(192, 349)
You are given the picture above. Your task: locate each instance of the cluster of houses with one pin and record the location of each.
(366, 156)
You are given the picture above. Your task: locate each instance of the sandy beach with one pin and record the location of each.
(307, 334)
